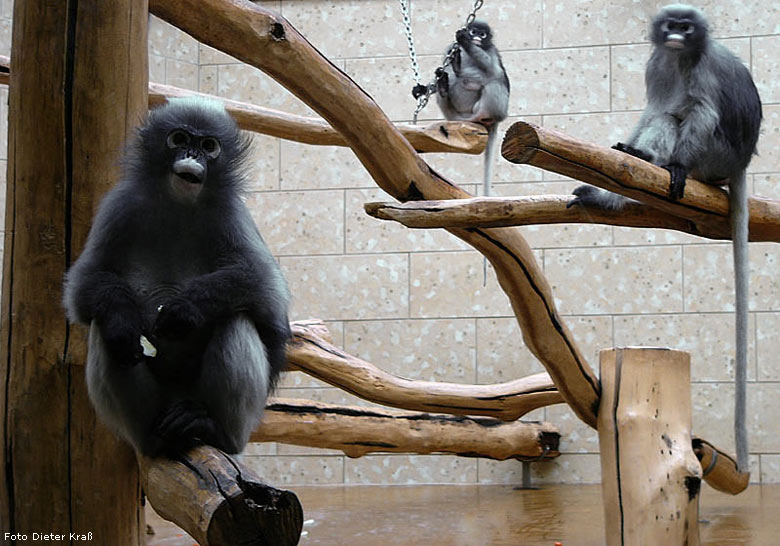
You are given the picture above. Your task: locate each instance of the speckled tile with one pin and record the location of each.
(366, 234)
(515, 25)
(767, 185)
(296, 223)
(349, 28)
(289, 470)
(447, 284)
(766, 67)
(713, 414)
(348, 287)
(307, 167)
(628, 76)
(623, 280)
(181, 74)
(208, 80)
(768, 346)
(603, 129)
(709, 277)
(503, 356)
(574, 22)
(263, 164)
(428, 350)
(576, 436)
(770, 468)
(769, 142)
(558, 81)
(709, 338)
(409, 469)
(763, 402)
(388, 80)
(168, 41)
(247, 84)
(569, 468)
(157, 68)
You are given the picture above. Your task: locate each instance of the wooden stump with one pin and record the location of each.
(219, 501)
(650, 475)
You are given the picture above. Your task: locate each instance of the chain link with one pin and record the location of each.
(422, 98)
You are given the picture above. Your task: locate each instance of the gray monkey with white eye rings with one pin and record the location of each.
(187, 307)
(475, 87)
(702, 118)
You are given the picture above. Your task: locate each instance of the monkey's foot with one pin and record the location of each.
(182, 426)
(630, 150)
(442, 82)
(591, 196)
(677, 175)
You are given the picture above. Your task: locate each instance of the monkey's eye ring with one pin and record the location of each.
(210, 147)
(177, 139)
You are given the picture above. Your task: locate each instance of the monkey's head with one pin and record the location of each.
(192, 147)
(680, 28)
(480, 34)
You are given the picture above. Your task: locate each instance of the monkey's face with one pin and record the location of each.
(680, 29)
(191, 155)
(480, 34)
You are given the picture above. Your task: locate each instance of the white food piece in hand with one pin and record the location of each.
(149, 349)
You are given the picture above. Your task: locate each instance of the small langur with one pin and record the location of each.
(474, 86)
(702, 118)
(187, 307)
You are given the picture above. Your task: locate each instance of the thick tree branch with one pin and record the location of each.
(310, 353)
(444, 136)
(706, 206)
(357, 431)
(218, 500)
(267, 41)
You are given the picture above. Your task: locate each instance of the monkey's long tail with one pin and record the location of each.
(739, 234)
(490, 151)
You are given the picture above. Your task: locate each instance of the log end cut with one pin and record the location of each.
(521, 142)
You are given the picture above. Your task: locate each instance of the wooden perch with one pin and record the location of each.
(269, 42)
(309, 353)
(720, 469)
(444, 136)
(704, 205)
(219, 501)
(651, 478)
(526, 211)
(357, 431)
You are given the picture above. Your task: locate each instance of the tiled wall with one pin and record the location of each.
(413, 301)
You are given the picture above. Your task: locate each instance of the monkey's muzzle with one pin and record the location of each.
(187, 177)
(674, 41)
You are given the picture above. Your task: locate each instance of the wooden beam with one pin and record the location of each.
(219, 501)
(444, 136)
(720, 469)
(310, 353)
(70, 110)
(267, 41)
(358, 430)
(651, 478)
(706, 206)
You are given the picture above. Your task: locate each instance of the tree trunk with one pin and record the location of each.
(650, 475)
(72, 102)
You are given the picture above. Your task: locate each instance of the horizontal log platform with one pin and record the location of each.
(311, 353)
(720, 469)
(219, 501)
(527, 211)
(705, 205)
(444, 136)
(358, 430)
(459, 137)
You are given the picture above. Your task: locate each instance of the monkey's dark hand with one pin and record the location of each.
(630, 150)
(677, 175)
(442, 82)
(585, 195)
(462, 37)
(177, 318)
(121, 332)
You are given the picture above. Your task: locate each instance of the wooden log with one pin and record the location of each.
(706, 206)
(720, 469)
(526, 211)
(357, 431)
(444, 136)
(309, 353)
(650, 475)
(219, 501)
(268, 41)
(71, 107)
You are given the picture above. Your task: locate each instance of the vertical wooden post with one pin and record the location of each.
(650, 475)
(79, 86)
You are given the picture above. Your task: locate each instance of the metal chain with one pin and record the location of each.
(422, 98)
